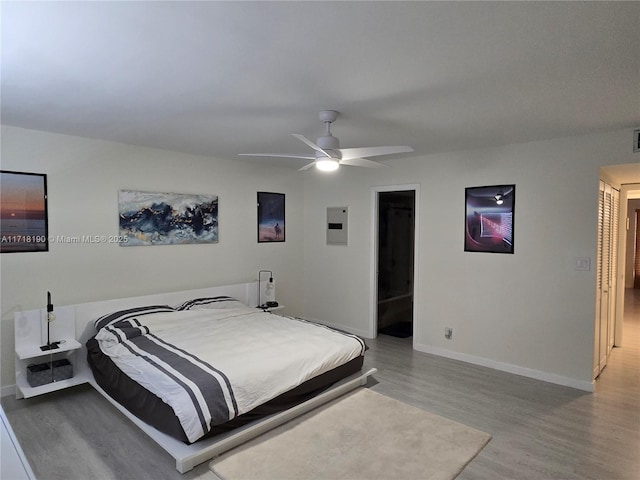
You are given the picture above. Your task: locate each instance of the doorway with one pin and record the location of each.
(614, 263)
(395, 262)
(636, 257)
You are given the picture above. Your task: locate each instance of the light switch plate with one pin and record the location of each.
(583, 263)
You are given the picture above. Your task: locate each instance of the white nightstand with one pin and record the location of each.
(31, 333)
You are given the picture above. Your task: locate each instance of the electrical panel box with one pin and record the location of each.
(337, 225)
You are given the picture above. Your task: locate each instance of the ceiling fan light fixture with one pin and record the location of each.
(328, 154)
(327, 164)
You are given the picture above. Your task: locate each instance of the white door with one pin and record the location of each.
(613, 269)
(606, 271)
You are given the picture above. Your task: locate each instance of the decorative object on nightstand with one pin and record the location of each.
(268, 292)
(40, 371)
(52, 371)
(51, 316)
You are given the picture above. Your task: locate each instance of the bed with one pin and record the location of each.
(202, 372)
(205, 366)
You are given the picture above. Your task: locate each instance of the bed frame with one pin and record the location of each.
(186, 456)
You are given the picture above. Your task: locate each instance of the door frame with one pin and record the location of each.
(627, 191)
(373, 274)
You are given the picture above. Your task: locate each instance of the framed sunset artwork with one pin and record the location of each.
(23, 212)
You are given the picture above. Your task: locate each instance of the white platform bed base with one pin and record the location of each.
(186, 456)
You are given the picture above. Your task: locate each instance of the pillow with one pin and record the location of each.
(130, 313)
(127, 329)
(219, 302)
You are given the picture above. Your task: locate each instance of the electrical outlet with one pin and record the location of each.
(448, 333)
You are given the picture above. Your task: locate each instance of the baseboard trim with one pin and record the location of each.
(483, 362)
(7, 390)
(587, 386)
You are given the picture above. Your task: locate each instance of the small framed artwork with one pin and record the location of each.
(23, 212)
(271, 217)
(489, 215)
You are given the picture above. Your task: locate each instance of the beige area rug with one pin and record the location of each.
(361, 435)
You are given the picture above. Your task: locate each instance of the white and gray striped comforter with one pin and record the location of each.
(211, 365)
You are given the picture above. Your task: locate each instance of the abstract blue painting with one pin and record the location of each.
(148, 218)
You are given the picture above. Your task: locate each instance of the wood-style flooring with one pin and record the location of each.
(540, 430)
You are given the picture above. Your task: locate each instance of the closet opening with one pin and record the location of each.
(395, 262)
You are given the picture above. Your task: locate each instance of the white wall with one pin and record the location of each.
(530, 312)
(84, 177)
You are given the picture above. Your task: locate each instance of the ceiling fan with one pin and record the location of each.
(328, 154)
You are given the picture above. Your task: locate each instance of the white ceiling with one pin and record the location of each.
(222, 78)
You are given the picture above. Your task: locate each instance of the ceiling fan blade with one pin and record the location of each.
(307, 167)
(362, 162)
(282, 155)
(304, 139)
(349, 153)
